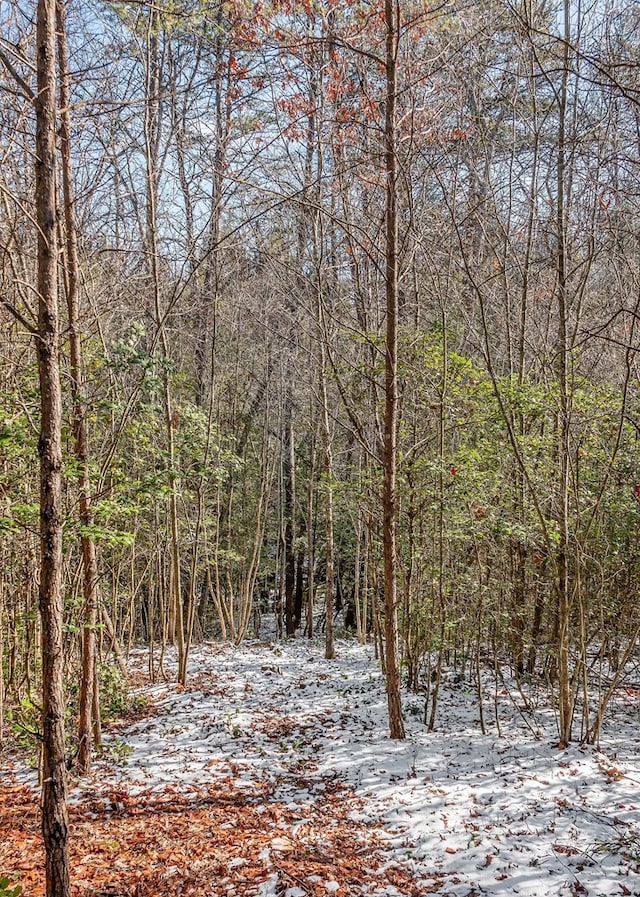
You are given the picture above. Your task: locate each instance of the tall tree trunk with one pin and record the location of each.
(55, 828)
(89, 562)
(330, 648)
(565, 708)
(152, 146)
(298, 597)
(288, 465)
(389, 453)
(207, 294)
(311, 534)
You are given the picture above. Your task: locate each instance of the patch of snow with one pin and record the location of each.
(503, 813)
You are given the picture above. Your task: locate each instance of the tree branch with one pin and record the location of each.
(19, 80)
(20, 318)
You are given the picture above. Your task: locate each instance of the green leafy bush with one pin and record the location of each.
(114, 698)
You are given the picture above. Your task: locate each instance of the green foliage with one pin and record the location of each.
(9, 886)
(8, 525)
(114, 697)
(626, 844)
(24, 720)
(107, 536)
(117, 751)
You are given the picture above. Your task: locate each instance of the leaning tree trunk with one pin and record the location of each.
(54, 773)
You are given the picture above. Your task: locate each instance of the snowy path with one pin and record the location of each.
(460, 813)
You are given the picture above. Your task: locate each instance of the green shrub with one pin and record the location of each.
(114, 691)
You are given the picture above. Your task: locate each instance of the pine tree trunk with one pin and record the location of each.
(389, 455)
(55, 827)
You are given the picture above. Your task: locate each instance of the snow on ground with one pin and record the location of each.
(494, 815)
(468, 814)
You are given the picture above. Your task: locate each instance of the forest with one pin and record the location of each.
(320, 316)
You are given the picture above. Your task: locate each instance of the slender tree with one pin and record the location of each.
(389, 449)
(564, 417)
(72, 282)
(55, 826)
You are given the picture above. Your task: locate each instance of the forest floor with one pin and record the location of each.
(271, 775)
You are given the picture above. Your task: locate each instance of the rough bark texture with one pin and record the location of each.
(389, 501)
(54, 773)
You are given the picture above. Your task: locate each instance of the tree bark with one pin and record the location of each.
(311, 589)
(330, 647)
(55, 828)
(289, 512)
(389, 454)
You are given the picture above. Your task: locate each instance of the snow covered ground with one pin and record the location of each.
(466, 813)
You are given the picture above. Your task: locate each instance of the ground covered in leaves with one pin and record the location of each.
(220, 842)
(271, 775)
